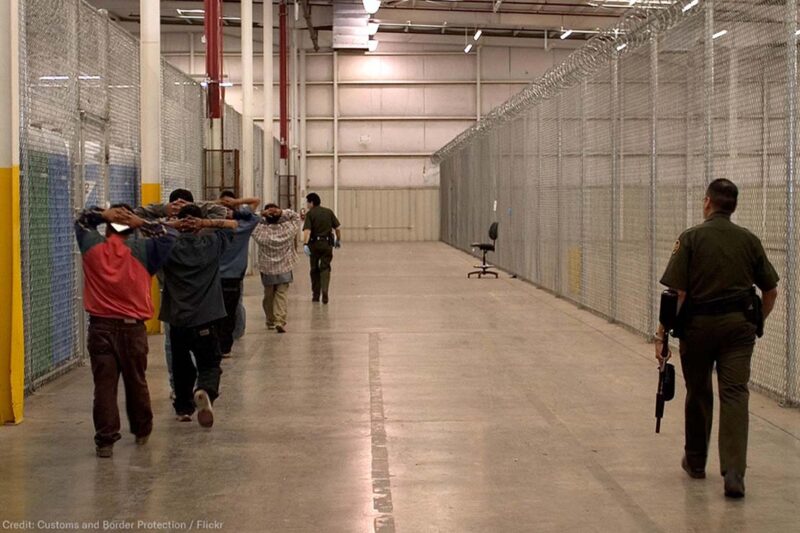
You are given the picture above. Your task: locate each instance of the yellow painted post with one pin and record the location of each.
(12, 329)
(151, 194)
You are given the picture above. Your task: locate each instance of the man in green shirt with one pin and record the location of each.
(321, 234)
(713, 268)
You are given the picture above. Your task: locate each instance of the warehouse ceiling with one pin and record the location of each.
(496, 18)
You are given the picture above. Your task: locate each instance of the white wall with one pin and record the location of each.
(396, 107)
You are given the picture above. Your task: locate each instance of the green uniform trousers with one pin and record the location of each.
(725, 341)
(321, 257)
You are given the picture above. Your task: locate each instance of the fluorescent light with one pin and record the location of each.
(88, 77)
(204, 84)
(53, 78)
(719, 34)
(373, 27)
(622, 47)
(190, 11)
(690, 5)
(371, 6)
(566, 34)
(468, 48)
(372, 45)
(797, 32)
(226, 84)
(477, 35)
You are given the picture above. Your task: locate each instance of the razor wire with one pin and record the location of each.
(595, 169)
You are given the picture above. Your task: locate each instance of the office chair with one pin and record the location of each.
(485, 269)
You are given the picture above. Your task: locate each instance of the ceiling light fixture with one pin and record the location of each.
(477, 35)
(719, 34)
(622, 47)
(566, 34)
(468, 48)
(226, 84)
(371, 6)
(690, 5)
(373, 27)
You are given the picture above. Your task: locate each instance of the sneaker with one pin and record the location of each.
(280, 329)
(141, 441)
(325, 297)
(694, 473)
(734, 485)
(105, 451)
(205, 414)
(183, 418)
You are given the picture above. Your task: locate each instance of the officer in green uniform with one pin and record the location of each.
(321, 234)
(713, 268)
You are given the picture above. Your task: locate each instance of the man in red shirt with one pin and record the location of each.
(117, 269)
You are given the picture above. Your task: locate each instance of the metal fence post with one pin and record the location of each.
(614, 182)
(559, 179)
(653, 175)
(584, 93)
(708, 90)
(791, 243)
(539, 195)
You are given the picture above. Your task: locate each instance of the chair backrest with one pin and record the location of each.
(493, 231)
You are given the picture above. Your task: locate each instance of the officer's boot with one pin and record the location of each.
(734, 484)
(325, 281)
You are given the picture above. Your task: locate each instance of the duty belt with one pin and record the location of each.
(740, 302)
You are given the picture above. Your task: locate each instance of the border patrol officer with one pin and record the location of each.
(713, 268)
(321, 234)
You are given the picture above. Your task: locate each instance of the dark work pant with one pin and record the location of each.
(116, 347)
(231, 293)
(726, 341)
(201, 341)
(321, 257)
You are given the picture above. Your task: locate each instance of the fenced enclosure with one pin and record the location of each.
(79, 144)
(594, 170)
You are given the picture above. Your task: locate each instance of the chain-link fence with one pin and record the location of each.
(79, 144)
(594, 170)
(182, 132)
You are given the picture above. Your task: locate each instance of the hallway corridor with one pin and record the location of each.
(417, 401)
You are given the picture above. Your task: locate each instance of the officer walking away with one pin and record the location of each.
(713, 268)
(321, 234)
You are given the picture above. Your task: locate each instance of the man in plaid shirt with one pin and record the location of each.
(276, 237)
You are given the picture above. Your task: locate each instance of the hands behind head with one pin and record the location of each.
(173, 208)
(186, 225)
(272, 212)
(230, 203)
(120, 215)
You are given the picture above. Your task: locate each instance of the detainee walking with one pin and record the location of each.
(714, 268)
(192, 305)
(233, 265)
(117, 269)
(276, 237)
(321, 234)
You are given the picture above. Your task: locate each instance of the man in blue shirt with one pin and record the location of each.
(233, 264)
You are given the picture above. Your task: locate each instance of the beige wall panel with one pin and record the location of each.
(455, 100)
(528, 63)
(396, 137)
(320, 137)
(319, 68)
(319, 100)
(495, 63)
(386, 215)
(461, 67)
(376, 101)
(438, 134)
(369, 68)
(382, 172)
(320, 172)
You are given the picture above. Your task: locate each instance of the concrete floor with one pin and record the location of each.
(417, 401)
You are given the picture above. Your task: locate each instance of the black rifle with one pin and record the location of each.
(668, 316)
